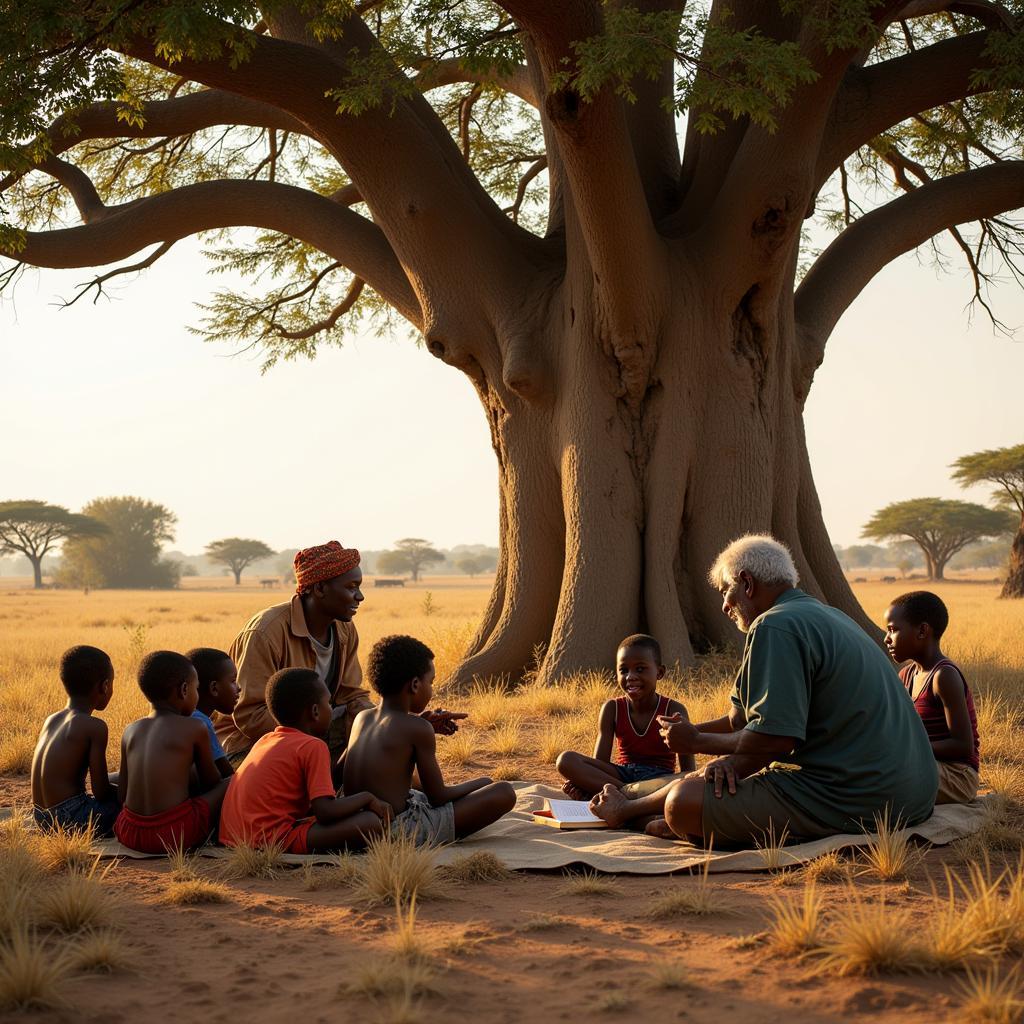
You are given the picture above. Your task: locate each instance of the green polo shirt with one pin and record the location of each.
(811, 672)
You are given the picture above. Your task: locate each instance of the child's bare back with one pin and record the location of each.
(70, 742)
(158, 753)
(385, 756)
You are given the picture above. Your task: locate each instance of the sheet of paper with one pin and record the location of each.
(571, 810)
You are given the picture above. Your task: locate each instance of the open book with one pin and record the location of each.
(566, 814)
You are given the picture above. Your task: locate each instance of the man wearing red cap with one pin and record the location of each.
(314, 630)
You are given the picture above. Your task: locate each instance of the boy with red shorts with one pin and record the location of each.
(157, 756)
(283, 792)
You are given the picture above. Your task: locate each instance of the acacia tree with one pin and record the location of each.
(938, 526)
(508, 177)
(237, 553)
(410, 555)
(34, 528)
(1003, 467)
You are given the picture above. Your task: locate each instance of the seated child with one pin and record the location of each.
(73, 743)
(632, 722)
(157, 757)
(390, 742)
(283, 792)
(218, 691)
(914, 624)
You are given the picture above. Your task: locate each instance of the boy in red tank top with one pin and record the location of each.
(630, 724)
(914, 624)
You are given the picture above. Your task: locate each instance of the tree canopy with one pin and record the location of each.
(939, 526)
(632, 225)
(1003, 467)
(127, 554)
(34, 528)
(237, 553)
(410, 555)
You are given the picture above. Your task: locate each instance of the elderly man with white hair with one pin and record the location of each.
(820, 736)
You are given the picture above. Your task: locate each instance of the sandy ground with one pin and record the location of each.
(276, 951)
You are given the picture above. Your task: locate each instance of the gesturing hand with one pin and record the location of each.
(722, 768)
(678, 733)
(444, 722)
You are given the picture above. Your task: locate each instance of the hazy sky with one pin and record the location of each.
(380, 440)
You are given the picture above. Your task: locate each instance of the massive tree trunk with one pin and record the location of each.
(37, 570)
(615, 498)
(1014, 585)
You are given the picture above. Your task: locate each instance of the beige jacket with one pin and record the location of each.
(273, 639)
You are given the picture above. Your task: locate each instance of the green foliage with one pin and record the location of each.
(33, 528)
(128, 552)
(1001, 466)
(939, 526)
(237, 553)
(410, 555)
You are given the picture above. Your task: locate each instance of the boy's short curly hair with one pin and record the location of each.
(290, 692)
(206, 661)
(923, 606)
(645, 641)
(83, 668)
(162, 672)
(394, 660)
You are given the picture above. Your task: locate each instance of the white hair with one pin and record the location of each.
(765, 558)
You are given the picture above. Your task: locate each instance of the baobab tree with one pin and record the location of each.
(594, 210)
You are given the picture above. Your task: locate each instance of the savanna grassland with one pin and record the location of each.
(897, 933)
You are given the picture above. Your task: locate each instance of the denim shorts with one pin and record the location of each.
(77, 812)
(640, 772)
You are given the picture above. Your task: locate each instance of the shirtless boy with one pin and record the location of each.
(157, 755)
(390, 741)
(73, 743)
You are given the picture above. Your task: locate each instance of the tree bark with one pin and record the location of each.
(37, 570)
(613, 507)
(1014, 585)
(238, 576)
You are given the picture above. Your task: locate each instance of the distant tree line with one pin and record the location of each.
(944, 529)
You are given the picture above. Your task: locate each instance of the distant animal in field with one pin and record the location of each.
(888, 579)
(388, 583)
(268, 583)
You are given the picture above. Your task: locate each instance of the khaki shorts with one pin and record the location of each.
(958, 783)
(341, 727)
(755, 813)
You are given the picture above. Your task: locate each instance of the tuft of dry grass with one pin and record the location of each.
(829, 867)
(101, 951)
(612, 1002)
(671, 975)
(77, 903)
(460, 749)
(488, 705)
(66, 849)
(31, 972)
(992, 998)
(187, 892)
(588, 883)
(1005, 778)
(796, 922)
(771, 848)
(869, 937)
(543, 923)
(479, 866)
(247, 861)
(891, 855)
(506, 771)
(394, 869)
(699, 900)
(342, 871)
(506, 739)
(16, 749)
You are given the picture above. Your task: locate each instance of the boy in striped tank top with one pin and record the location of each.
(914, 624)
(630, 723)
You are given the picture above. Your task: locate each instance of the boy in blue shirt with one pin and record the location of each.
(218, 691)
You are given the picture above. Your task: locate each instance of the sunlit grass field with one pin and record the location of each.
(513, 734)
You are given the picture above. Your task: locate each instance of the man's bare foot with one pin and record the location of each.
(574, 792)
(659, 828)
(611, 806)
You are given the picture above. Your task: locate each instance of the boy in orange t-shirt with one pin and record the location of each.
(283, 792)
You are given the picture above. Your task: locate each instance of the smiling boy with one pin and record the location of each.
(630, 722)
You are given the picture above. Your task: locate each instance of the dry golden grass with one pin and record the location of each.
(671, 975)
(869, 936)
(506, 738)
(65, 849)
(891, 854)
(684, 900)
(588, 883)
(247, 861)
(480, 866)
(100, 952)
(394, 869)
(829, 867)
(991, 997)
(341, 872)
(187, 892)
(489, 705)
(460, 749)
(796, 922)
(771, 848)
(31, 972)
(77, 902)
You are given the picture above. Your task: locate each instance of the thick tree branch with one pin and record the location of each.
(603, 178)
(453, 70)
(863, 249)
(873, 99)
(79, 185)
(993, 15)
(124, 230)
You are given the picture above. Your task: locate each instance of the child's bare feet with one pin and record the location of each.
(659, 828)
(611, 806)
(574, 792)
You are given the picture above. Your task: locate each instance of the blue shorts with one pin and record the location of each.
(640, 772)
(77, 812)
